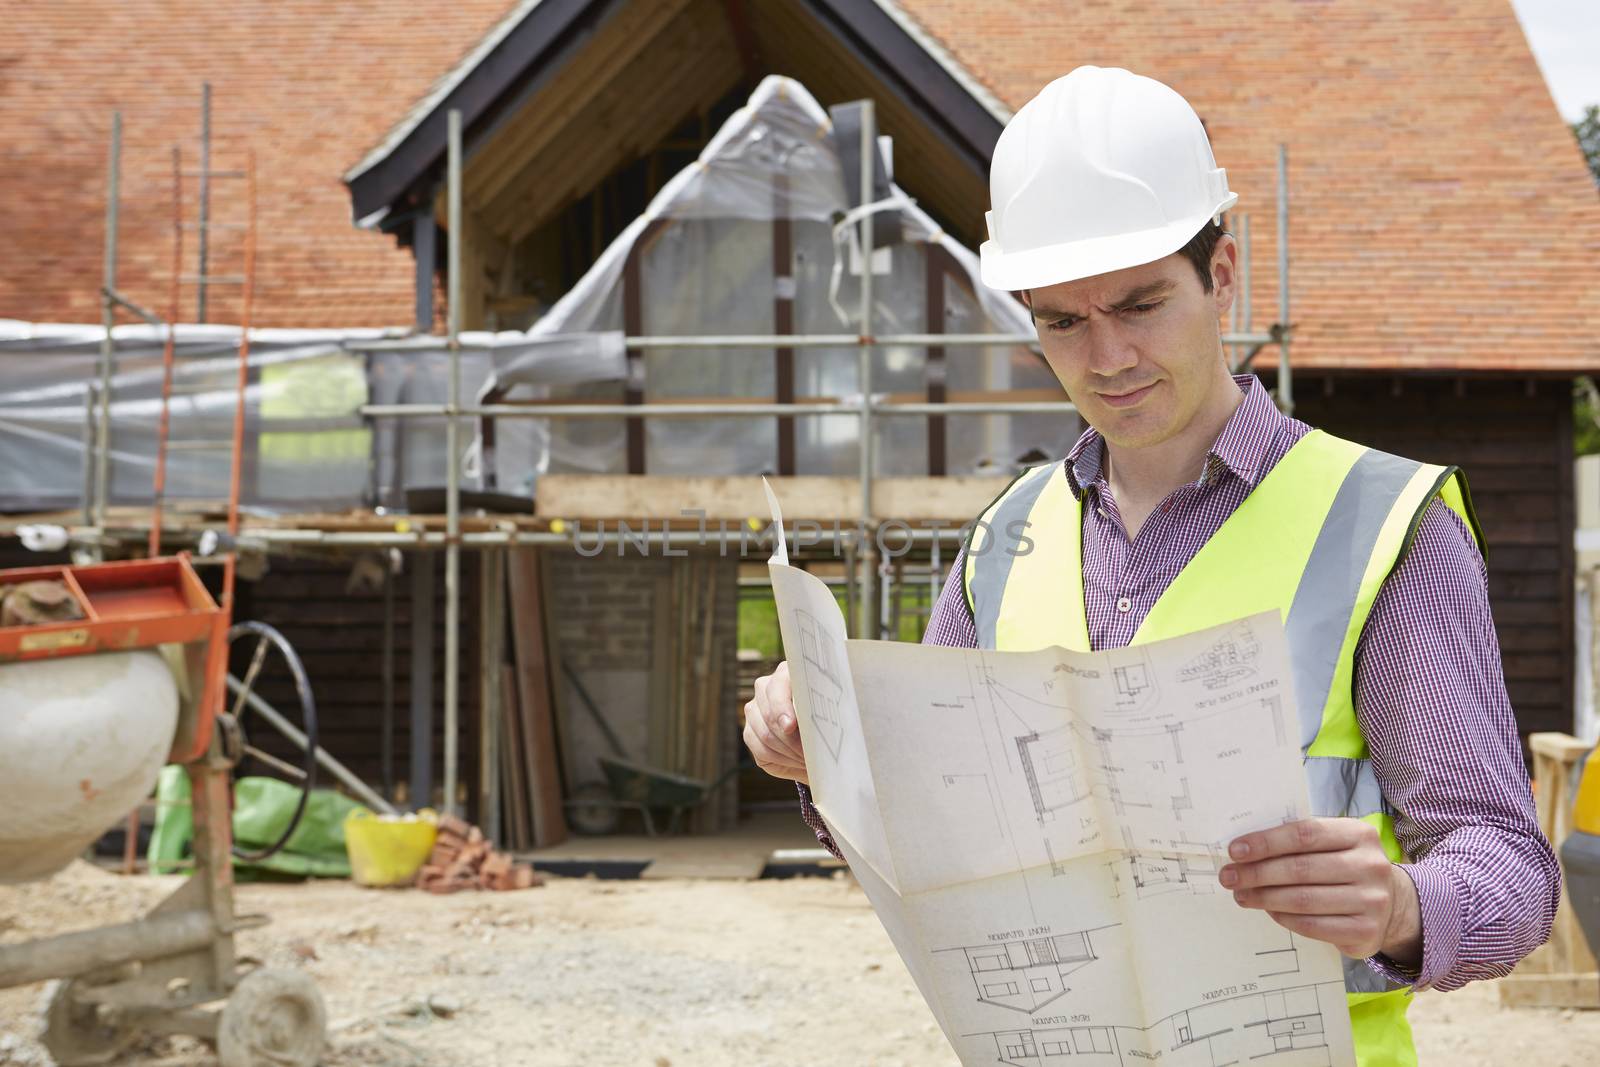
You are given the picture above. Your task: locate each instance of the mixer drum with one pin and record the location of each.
(82, 739)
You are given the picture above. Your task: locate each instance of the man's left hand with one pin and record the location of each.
(1329, 879)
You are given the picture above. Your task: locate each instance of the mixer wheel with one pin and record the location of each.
(274, 1018)
(77, 1035)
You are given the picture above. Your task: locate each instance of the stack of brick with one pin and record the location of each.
(463, 859)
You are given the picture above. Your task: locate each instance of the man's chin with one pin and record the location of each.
(1132, 429)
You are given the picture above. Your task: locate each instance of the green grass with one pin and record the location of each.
(758, 622)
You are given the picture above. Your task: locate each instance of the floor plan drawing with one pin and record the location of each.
(1153, 875)
(826, 672)
(1027, 974)
(1141, 768)
(1231, 658)
(1277, 962)
(1134, 679)
(1281, 1028)
(1057, 783)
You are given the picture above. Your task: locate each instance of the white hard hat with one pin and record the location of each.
(1103, 170)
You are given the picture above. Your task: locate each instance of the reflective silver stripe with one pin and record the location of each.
(1340, 786)
(992, 563)
(1359, 978)
(1326, 595)
(1349, 787)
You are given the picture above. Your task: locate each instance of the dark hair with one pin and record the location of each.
(1199, 250)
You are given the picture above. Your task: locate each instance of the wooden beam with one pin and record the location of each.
(735, 499)
(681, 83)
(783, 294)
(1578, 991)
(567, 96)
(934, 258)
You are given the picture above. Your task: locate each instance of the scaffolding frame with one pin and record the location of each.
(858, 546)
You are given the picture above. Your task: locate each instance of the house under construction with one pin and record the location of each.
(619, 259)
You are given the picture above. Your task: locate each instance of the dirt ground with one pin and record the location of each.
(592, 973)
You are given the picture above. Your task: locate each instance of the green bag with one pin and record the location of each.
(262, 807)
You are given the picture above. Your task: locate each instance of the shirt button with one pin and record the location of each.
(1124, 604)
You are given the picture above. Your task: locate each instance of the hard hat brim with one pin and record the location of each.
(1073, 260)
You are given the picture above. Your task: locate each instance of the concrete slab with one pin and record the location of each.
(740, 854)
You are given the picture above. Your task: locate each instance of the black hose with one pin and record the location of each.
(308, 715)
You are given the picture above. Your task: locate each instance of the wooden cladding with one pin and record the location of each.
(1515, 445)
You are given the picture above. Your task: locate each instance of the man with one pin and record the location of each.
(1192, 501)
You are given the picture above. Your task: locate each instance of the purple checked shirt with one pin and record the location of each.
(1429, 693)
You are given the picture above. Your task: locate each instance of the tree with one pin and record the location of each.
(1587, 131)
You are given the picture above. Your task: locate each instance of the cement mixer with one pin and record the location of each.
(92, 705)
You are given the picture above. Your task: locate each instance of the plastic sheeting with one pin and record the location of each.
(307, 447)
(706, 267)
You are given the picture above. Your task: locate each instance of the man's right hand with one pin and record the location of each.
(771, 731)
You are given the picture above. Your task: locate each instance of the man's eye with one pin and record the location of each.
(1063, 325)
(1145, 309)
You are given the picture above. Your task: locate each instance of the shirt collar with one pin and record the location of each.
(1241, 447)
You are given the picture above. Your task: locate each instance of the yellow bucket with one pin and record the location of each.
(388, 849)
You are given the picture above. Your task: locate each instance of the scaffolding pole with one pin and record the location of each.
(869, 149)
(452, 552)
(1285, 383)
(108, 317)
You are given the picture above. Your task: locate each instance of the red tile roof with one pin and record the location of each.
(310, 86)
(1442, 216)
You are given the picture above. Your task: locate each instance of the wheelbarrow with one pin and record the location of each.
(642, 789)
(594, 806)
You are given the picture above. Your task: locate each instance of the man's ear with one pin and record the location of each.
(1225, 272)
(1026, 296)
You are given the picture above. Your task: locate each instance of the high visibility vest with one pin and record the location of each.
(1315, 539)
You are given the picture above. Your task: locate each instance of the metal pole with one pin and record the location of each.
(1244, 269)
(452, 558)
(670, 410)
(869, 147)
(387, 722)
(1233, 325)
(422, 591)
(770, 340)
(491, 573)
(205, 196)
(347, 777)
(154, 937)
(102, 444)
(91, 396)
(1285, 384)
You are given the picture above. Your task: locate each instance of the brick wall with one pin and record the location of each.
(617, 621)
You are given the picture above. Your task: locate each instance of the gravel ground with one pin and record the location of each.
(583, 973)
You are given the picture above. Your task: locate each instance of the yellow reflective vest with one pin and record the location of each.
(1315, 539)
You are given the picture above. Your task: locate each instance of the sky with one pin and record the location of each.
(1565, 37)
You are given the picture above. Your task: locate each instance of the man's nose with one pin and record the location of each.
(1111, 350)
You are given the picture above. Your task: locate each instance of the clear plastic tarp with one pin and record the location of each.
(307, 447)
(704, 258)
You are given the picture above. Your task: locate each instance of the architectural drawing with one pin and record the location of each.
(1133, 679)
(1277, 962)
(1282, 1028)
(826, 674)
(1141, 768)
(987, 801)
(1026, 974)
(1057, 783)
(1231, 658)
(1157, 874)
